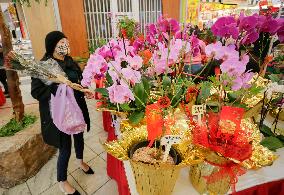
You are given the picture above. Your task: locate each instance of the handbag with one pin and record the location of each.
(65, 111)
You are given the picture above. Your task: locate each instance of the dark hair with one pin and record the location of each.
(51, 41)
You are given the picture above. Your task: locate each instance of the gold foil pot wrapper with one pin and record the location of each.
(155, 179)
(158, 178)
(197, 174)
(252, 101)
(201, 170)
(120, 148)
(261, 156)
(133, 134)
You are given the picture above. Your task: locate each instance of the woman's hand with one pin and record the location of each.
(88, 93)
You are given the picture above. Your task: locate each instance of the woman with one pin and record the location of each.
(3, 77)
(57, 48)
(193, 64)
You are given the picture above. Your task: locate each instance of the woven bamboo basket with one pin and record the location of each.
(155, 179)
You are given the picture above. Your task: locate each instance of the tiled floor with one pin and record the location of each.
(44, 182)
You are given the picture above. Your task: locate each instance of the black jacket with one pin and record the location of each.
(42, 93)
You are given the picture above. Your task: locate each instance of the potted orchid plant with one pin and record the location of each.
(235, 81)
(145, 80)
(137, 74)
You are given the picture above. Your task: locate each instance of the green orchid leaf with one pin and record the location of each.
(109, 79)
(266, 130)
(125, 107)
(272, 143)
(204, 92)
(166, 82)
(141, 95)
(177, 97)
(232, 96)
(254, 90)
(102, 91)
(274, 78)
(146, 85)
(136, 117)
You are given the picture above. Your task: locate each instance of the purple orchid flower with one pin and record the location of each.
(152, 29)
(120, 94)
(114, 71)
(182, 34)
(135, 62)
(242, 81)
(194, 42)
(270, 25)
(280, 31)
(233, 67)
(250, 37)
(173, 25)
(248, 23)
(133, 76)
(225, 27)
(137, 45)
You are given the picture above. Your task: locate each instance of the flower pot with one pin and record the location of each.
(199, 172)
(154, 179)
(173, 152)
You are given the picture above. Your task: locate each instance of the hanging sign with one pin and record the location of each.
(192, 11)
(238, 2)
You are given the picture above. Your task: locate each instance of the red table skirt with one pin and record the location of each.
(271, 188)
(2, 97)
(116, 171)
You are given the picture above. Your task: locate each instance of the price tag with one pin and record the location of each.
(199, 110)
(168, 141)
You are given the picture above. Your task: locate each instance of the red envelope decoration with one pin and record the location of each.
(230, 119)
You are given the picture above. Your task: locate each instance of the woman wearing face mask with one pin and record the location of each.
(57, 48)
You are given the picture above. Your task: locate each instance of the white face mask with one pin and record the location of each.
(62, 48)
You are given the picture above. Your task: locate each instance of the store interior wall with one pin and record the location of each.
(74, 26)
(40, 20)
(171, 8)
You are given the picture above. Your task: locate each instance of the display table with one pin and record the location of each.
(253, 180)
(267, 180)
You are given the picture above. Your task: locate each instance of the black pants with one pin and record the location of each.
(3, 80)
(65, 152)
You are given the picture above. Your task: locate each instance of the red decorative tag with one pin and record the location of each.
(154, 117)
